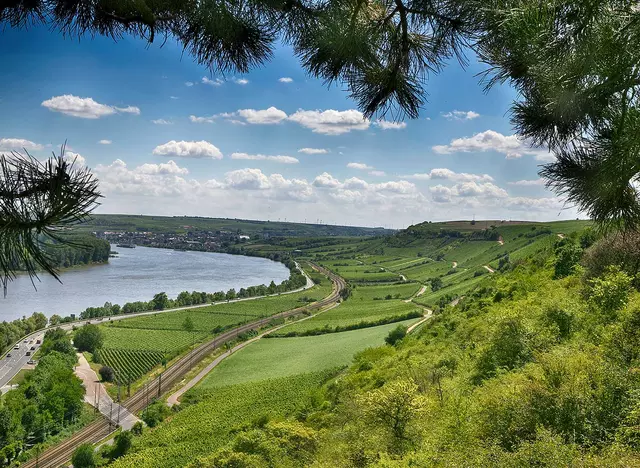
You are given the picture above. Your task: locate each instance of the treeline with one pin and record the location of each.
(49, 400)
(161, 301)
(83, 249)
(10, 332)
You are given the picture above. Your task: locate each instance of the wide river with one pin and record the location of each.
(136, 275)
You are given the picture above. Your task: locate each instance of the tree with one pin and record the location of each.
(160, 301)
(396, 335)
(122, 444)
(107, 374)
(84, 457)
(54, 320)
(187, 325)
(436, 283)
(568, 256)
(38, 200)
(89, 338)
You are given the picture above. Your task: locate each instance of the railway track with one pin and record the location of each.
(96, 431)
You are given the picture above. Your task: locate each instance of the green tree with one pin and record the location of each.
(396, 335)
(436, 283)
(187, 325)
(160, 301)
(89, 338)
(84, 457)
(122, 444)
(567, 257)
(54, 320)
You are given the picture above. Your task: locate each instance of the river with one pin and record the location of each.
(136, 275)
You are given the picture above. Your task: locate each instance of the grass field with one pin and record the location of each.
(281, 357)
(166, 341)
(206, 426)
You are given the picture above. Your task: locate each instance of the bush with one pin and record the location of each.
(155, 413)
(616, 249)
(568, 256)
(396, 335)
(89, 338)
(137, 428)
(610, 292)
(84, 457)
(122, 444)
(107, 373)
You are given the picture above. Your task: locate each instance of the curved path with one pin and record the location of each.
(95, 432)
(489, 269)
(428, 314)
(9, 367)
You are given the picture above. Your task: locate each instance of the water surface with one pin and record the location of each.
(136, 275)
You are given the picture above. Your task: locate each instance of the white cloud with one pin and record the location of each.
(331, 122)
(285, 79)
(210, 82)
(105, 142)
(326, 180)
(268, 116)
(528, 183)
(188, 149)
(241, 81)
(448, 174)
(18, 144)
(511, 145)
(163, 168)
(461, 115)
(385, 125)
(377, 173)
(204, 119)
(359, 166)
(313, 151)
(355, 184)
(189, 83)
(75, 158)
(162, 122)
(85, 108)
(129, 110)
(262, 157)
(174, 97)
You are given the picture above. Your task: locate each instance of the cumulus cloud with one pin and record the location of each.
(262, 157)
(189, 84)
(377, 173)
(285, 79)
(217, 82)
(163, 168)
(203, 119)
(76, 158)
(511, 145)
(269, 116)
(105, 142)
(162, 122)
(188, 149)
(448, 174)
(241, 81)
(461, 115)
(528, 183)
(85, 108)
(469, 189)
(313, 151)
(385, 125)
(18, 144)
(326, 180)
(359, 166)
(331, 122)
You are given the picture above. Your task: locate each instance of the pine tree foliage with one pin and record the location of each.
(38, 202)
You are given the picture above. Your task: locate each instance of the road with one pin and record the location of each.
(96, 395)
(10, 366)
(59, 454)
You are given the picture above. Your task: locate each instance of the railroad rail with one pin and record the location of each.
(57, 455)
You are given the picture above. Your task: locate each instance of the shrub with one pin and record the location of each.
(89, 338)
(616, 249)
(567, 257)
(83, 457)
(610, 292)
(396, 335)
(122, 444)
(155, 413)
(107, 374)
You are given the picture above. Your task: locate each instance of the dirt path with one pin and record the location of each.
(454, 265)
(501, 242)
(489, 269)
(418, 294)
(561, 236)
(96, 395)
(427, 315)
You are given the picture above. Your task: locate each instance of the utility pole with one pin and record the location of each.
(159, 384)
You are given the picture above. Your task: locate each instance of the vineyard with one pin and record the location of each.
(165, 341)
(207, 425)
(129, 364)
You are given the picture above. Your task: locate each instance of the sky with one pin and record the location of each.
(166, 136)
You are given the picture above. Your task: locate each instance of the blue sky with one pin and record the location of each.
(165, 136)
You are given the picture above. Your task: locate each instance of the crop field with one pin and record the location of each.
(279, 357)
(365, 273)
(202, 321)
(165, 341)
(130, 365)
(204, 427)
(396, 291)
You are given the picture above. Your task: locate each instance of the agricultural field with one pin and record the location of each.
(130, 365)
(203, 427)
(135, 339)
(280, 357)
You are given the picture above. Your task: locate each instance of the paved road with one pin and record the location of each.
(96, 395)
(10, 366)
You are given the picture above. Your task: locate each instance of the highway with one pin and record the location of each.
(10, 366)
(59, 454)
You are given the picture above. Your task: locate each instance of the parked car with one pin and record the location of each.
(31, 361)
(33, 348)
(38, 341)
(16, 347)
(28, 353)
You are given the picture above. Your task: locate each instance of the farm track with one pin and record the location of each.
(96, 431)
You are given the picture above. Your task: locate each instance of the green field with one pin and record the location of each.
(166, 341)
(206, 426)
(281, 357)
(130, 365)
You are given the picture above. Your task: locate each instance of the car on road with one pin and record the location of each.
(38, 341)
(31, 362)
(28, 353)
(33, 348)
(16, 347)
(8, 355)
